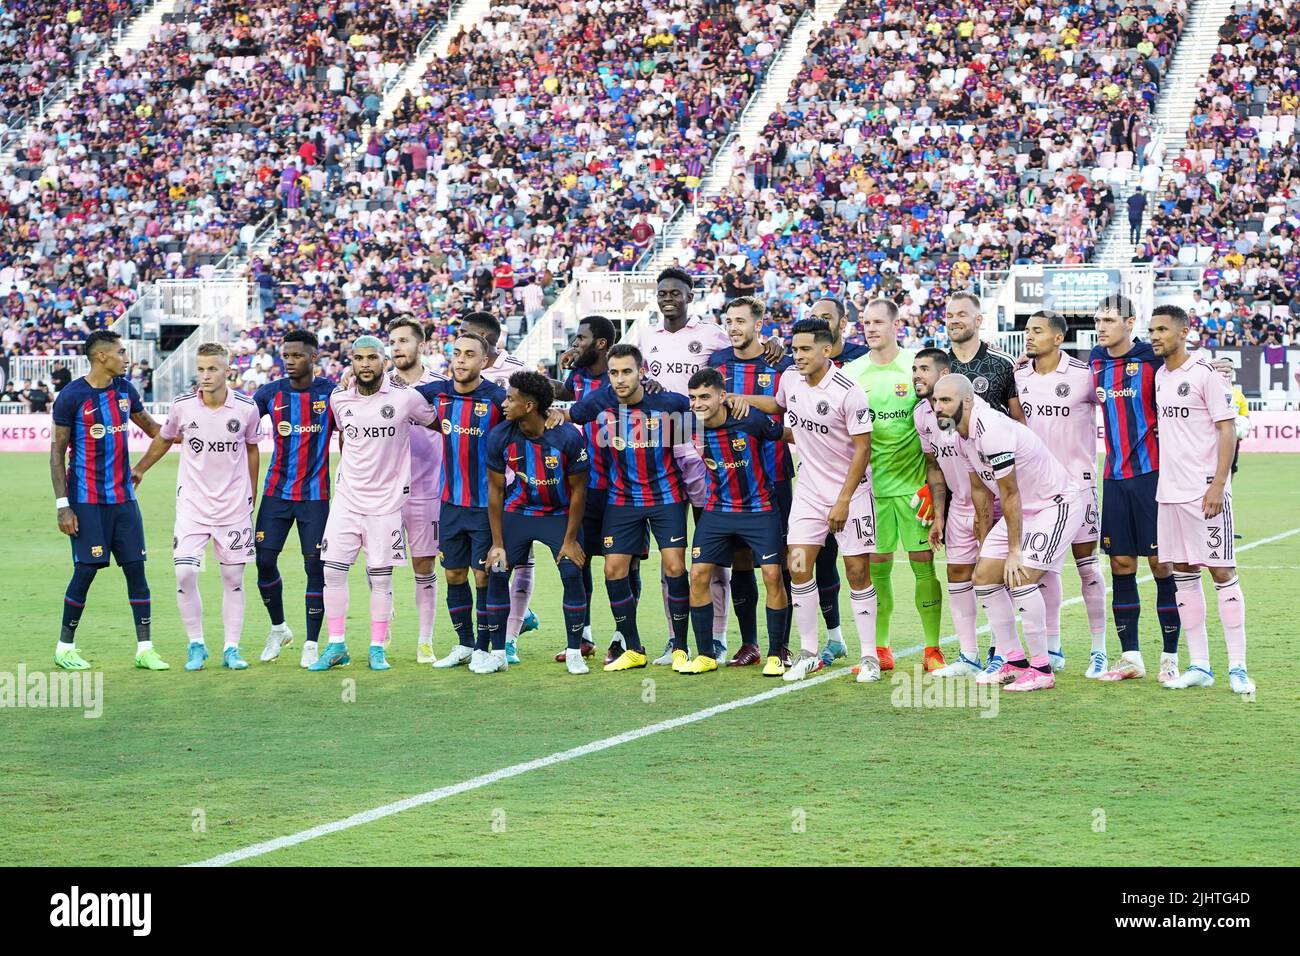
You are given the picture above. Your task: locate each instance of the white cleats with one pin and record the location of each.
(963, 666)
(459, 654)
(574, 663)
(807, 663)
(280, 637)
(487, 662)
(1239, 682)
(665, 659)
(1168, 668)
(868, 670)
(310, 654)
(1194, 676)
(1098, 664)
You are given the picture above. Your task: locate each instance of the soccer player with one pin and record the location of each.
(297, 488)
(94, 497)
(647, 492)
(423, 508)
(959, 528)
(746, 370)
(1060, 407)
(545, 502)
(990, 370)
(1042, 508)
(903, 507)
(1124, 373)
(1197, 430)
(831, 310)
(374, 417)
(828, 414)
(467, 407)
(740, 513)
(501, 365)
(218, 431)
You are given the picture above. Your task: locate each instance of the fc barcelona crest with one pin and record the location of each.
(901, 390)
(738, 444)
(480, 409)
(124, 404)
(552, 461)
(318, 406)
(764, 380)
(1131, 368)
(609, 541)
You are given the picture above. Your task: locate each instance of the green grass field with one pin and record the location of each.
(184, 767)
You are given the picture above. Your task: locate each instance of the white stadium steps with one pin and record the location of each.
(1178, 91)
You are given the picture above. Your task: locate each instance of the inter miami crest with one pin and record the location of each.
(823, 408)
(387, 411)
(232, 426)
(1063, 390)
(1183, 389)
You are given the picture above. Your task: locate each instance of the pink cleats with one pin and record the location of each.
(1031, 678)
(1003, 675)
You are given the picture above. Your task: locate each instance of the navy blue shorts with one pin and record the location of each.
(719, 534)
(593, 526)
(625, 527)
(1128, 515)
(108, 529)
(518, 532)
(276, 515)
(466, 537)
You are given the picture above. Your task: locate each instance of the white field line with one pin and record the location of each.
(563, 756)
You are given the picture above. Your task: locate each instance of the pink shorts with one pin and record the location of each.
(1090, 530)
(347, 532)
(1044, 537)
(232, 544)
(1185, 536)
(420, 517)
(697, 480)
(808, 524)
(959, 539)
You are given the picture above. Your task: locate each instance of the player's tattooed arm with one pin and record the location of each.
(145, 422)
(571, 548)
(938, 496)
(982, 500)
(839, 515)
(496, 558)
(59, 477)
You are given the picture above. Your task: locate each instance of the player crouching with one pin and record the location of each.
(545, 502)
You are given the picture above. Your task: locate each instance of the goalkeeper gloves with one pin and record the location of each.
(924, 506)
(1242, 427)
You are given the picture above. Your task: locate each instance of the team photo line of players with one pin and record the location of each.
(964, 450)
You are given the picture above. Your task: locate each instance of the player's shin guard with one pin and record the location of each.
(314, 596)
(1049, 586)
(996, 601)
(929, 600)
(137, 592)
(702, 625)
(1191, 613)
(827, 574)
(1167, 612)
(720, 589)
(1028, 600)
(961, 599)
(1126, 608)
(679, 603)
(232, 602)
(335, 600)
(483, 620)
(882, 579)
(1093, 586)
(381, 603)
(521, 592)
(805, 614)
(589, 588)
(74, 601)
(269, 584)
(778, 629)
(1232, 612)
(497, 611)
(577, 610)
(623, 606)
(460, 608)
(744, 598)
(864, 604)
(426, 604)
(187, 598)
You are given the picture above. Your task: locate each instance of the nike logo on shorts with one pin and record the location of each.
(674, 540)
(772, 555)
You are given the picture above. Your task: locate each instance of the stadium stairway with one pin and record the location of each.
(1173, 112)
(538, 344)
(133, 35)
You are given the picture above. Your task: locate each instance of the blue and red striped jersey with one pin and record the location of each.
(99, 466)
(735, 454)
(756, 377)
(301, 426)
(581, 384)
(542, 467)
(466, 420)
(1126, 391)
(641, 437)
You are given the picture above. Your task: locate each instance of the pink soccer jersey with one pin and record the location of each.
(374, 476)
(1061, 409)
(673, 357)
(1190, 400)
(212, 486)
(426, 454)
(997, 444)
(502, 367)
(952, 462)
(824, 418)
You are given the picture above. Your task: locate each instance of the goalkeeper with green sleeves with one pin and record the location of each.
(904, 510)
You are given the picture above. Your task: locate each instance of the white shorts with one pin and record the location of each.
(1090, 530)
(347, 532)
(959, 541)
(420, 518)
(1044, 536)
(808, 524)
(1185, 536)
(697, 479)
(232, 544)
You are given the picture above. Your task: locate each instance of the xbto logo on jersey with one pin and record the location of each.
(807, 424)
